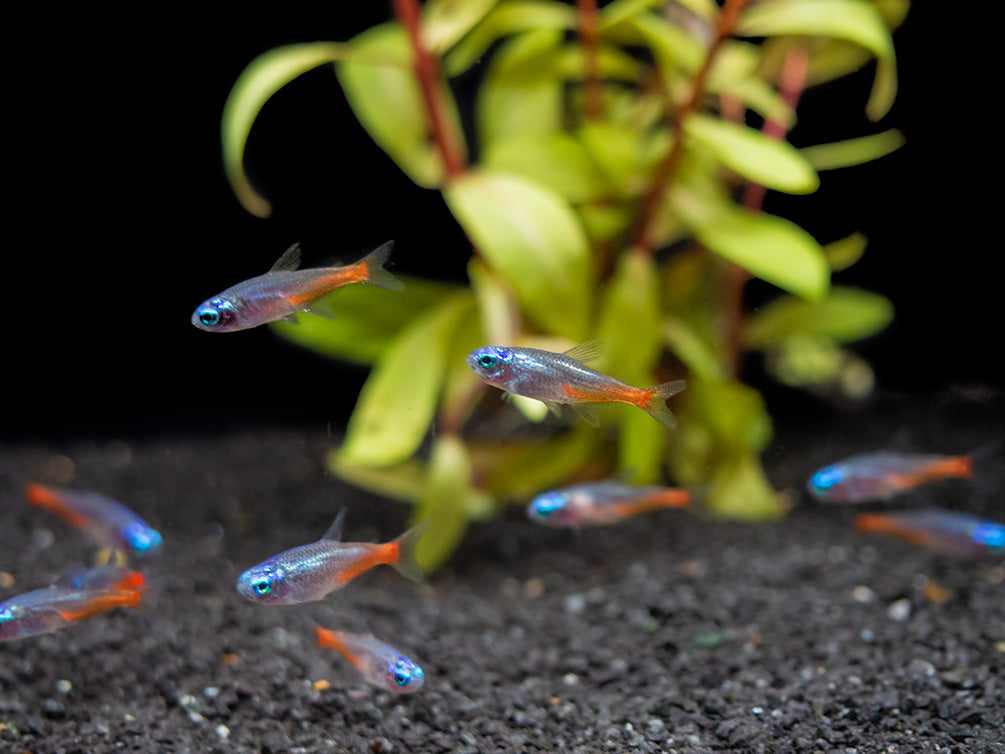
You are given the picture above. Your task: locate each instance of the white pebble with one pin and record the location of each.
(222, 731)
(899, 610)
(63, 686)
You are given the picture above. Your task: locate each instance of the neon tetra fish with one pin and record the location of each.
(556, 378)
(600, 503)
(284, 290)
(380, 664)
(883, 475)
(310, 572)
(944, 530)
(55, 607)
(108, 522)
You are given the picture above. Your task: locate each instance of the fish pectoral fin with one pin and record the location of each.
(588, 412)
(555, 408)
(290, 260)
(290, 319)
(588, 351)
(334, 532)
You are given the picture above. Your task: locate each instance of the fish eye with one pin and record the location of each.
(142, 538)
(545, 505)
(486, 361)
(209, 317)
(5, 613)
(262, 585)
(404, 671)
(825, 478)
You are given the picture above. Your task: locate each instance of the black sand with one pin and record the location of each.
(668, 633)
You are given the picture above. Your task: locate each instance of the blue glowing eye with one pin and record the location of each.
(5, 613)
(262, 585)
(485, 361)
(401, 672)
(545, 505)
(209, 317)
(826, 478)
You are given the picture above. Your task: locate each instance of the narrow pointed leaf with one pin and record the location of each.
(265, 75)
(768, 246)
(757, 157)
(851, 20)
(847, 314)
(398, 401)
(842, 154)
(366, 320)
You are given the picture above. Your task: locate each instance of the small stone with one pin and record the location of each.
(575, 604)
(899, 610)
(53, 709)
(63, 686)
(863, 594)
(222, 731)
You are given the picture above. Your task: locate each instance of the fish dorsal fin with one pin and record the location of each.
(584, 352)
(290, 260)
(334, 532)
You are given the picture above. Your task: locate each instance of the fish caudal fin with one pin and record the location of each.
(404, 561)
(654, 402)
(374, 272)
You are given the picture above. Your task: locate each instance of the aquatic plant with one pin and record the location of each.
(624, 153)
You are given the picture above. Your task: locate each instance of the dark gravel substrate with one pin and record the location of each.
(668, 633)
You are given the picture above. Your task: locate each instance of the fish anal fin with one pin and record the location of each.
(290, 319)
(588, 412)
(290, 260)
(585, 352)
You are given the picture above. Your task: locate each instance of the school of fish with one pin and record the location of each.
(310, 572)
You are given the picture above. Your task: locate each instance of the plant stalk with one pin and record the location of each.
(790, 88)
(593, 104)
(667, 169)
(427, 72)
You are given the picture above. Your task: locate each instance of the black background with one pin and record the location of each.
(120, 221)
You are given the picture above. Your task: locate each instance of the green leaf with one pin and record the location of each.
(447, 21)
(398, 400)
(505, 19)
(623, 155)
(688, 346)
(851, 20)
(769, 247)
(842, 154)
(844, 252)
(382, 90)
(521, 95)
(757, 157)
(628, 328)
(265, 75)
(519, 471)
(740, 490)
(403, 482)
(533, 238)
(448, 501)
(367, 319)
(847, 314)
(557, 161)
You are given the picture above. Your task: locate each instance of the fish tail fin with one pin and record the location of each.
(872, 522)
(373, 268)
(42, 496)
(404, 553)
(984, 461)
(654, 401)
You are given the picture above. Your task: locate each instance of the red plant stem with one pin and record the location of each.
(427, 72)
(666, 170)
(593, 105)
(790, 87)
